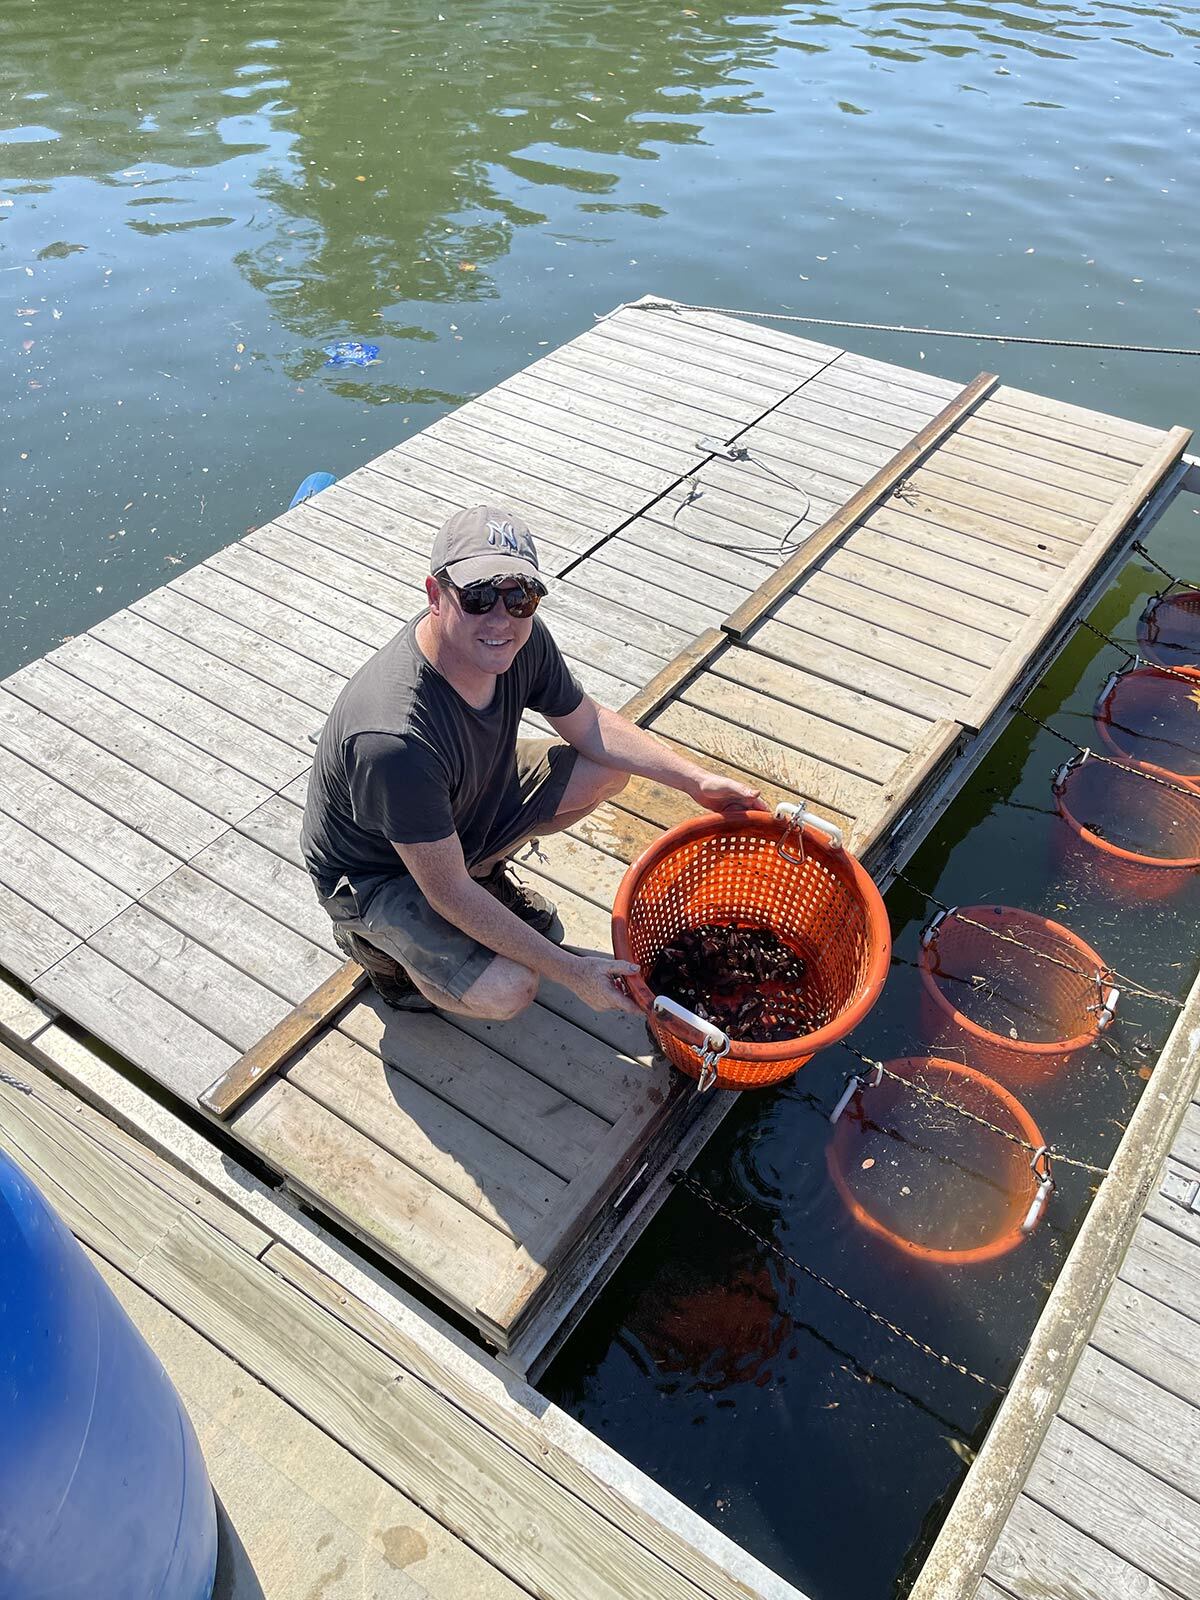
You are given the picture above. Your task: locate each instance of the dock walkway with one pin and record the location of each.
(350, 1459)
(822, 573)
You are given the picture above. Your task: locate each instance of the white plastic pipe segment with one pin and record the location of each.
(800, 816)
(708, 1037)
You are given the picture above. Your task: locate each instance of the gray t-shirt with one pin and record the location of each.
(403, 757)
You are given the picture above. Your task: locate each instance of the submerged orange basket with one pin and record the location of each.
(934, 1183)
(1012, 990)
(1139, 839)
(790, 873)
(1152, 715)
(1169, 628)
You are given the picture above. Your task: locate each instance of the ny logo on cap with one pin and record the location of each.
(503, 536)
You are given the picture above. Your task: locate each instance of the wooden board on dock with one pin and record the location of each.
(822, 573)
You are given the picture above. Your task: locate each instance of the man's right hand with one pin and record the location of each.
(596, 981)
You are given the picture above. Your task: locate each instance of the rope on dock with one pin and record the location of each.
(929, 333)
(685, 1180)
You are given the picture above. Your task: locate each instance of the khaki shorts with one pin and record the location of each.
(390, 911)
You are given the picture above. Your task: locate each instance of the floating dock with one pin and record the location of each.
(825, 574)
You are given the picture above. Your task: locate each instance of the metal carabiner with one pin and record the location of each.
(795, 819)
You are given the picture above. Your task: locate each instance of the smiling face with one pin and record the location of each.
(485, 644)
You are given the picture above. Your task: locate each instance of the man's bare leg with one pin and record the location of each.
(501, 991)
(589, 785)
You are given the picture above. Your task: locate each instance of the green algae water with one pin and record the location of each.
(195, 202)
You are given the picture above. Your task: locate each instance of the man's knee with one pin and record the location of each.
(591, 784)
(502, 991)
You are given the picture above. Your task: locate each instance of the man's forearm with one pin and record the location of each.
(482, 917)
(614, 741)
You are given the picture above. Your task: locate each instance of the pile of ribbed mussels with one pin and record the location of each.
(743, 980)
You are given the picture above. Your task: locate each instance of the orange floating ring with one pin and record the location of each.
(1150, 715)
(1142, 839)
(789, 873)
(1169, 628)
(1005, 1004)
(868, 1153)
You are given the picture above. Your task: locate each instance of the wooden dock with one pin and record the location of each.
(1088, 1485)
(388, 1469)
(821, 572)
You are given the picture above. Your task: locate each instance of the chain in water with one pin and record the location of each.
(1176, 583)
(1186, 674)
(686, 1181)
(952, 1105)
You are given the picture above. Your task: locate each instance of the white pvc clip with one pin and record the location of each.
(713, 1045)
(1108, 1010)
(930, 931)
(1040, 1167)
(1108, 688)
(798, 817)
(1061, 774)
(856, 1082)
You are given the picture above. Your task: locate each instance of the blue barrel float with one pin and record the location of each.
(103, 1490)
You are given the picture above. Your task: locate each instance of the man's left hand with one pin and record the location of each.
(726, 797)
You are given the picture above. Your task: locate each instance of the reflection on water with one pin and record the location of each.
(194, 203)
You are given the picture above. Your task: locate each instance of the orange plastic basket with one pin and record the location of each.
(930, 1181)
(750, 872)
(1146, 714)
(1169, 628)
(1000, 1002)
(1139, 840)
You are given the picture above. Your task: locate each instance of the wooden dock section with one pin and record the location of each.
(1088, 1485)
(823, 573)
(350, 1458)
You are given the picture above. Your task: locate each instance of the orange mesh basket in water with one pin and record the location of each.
(788, 873)
(1153, 715)
(1139, 839)
(1011, 990)
(1169, 628)
(931, 1181)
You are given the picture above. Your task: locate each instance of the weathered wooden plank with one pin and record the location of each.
(1145, 1424)
(727, 559)
(441, 1243)
(1141, 1519)
(1040, 426)
(568, 861)
(311, 598)
(149, 807)
(987, 590)
(887, 402)
(768, 340)
(313, 543)
(834, 408)
(898, 524)
(966, 520)
(276, 823)
(73, 825)
(956, 641)
(1170, 1202)
(1030, 489)
(655, 620)
(533, 1116)
(1040, 1556)
(923, 383)
(242, 647)
(667, 562)
(204, 723)
(66, 890)
(809, 640)
(670, 679)
(700, 367)
(823, 697)
(721, 411)
(158, 752)
(275, 885)
(1166, 1266)
(1063, 464)
(879, 486)
(1156, 1339)
(602, 450)
(1187, 1138)
(522, 448)
(652, 451)
(939, 595)
(797, 773)
(782, 358)
(263, 613)
(276, 713)
(810, 733)
(618, 833)
(441, 1145)
(252, 941)
(123, 1013)
(1096, 422)
(923, 763)
(30, 940)
(931, 480)
(1076, 579)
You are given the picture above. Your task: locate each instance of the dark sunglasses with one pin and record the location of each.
(477, 599)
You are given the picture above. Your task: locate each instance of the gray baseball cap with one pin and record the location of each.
(484, 542)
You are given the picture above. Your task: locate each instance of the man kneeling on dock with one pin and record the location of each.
(421, 789)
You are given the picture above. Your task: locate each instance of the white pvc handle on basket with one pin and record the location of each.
(712, 1044)
(1040, 1167)
(800, 817)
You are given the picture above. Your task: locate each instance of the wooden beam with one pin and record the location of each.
(679, 671)
(265, 1058)
(859, 505)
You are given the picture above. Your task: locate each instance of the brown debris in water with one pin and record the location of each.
(745, 981)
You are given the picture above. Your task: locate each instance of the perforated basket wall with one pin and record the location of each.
(1154, 716)
(997, 1004)
(1169, 629)
(1135, 839)
(826, 908)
